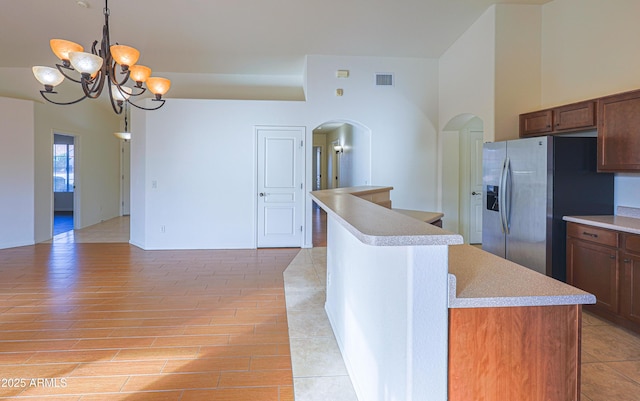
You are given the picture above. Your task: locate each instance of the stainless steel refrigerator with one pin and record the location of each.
(530, 184)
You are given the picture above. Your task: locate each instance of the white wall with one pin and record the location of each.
(402, 118)
(201, 153)
(199, 174)
(16, 172)
(590, 49)
(518, 66)
(467, 75)
(97, 161)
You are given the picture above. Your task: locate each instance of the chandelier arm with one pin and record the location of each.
(148, 109)
(97, 84)
(61, 68)
(61, 103)
(115, 105)
(142, 91)
(113, 70)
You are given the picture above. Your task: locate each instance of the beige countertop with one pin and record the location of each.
(376, 225)
(427, 217)
(613, 222)
(479, 279)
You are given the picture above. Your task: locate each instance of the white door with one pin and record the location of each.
(475, 185)
(280, 186)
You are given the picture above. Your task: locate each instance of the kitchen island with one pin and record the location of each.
(420, 316)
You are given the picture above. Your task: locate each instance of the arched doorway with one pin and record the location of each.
(341, 158)
(462, 140)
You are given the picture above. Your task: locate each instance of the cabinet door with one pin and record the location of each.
(630, 282)
(630, 288)
(577, 116)
(619, 132)
(593, 268)
(536, 123)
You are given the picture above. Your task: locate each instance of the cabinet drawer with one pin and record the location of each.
(632, 243)
(597, 235)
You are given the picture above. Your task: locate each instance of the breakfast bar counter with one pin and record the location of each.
(418, 315)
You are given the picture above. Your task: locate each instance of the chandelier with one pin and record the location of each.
(93, 70)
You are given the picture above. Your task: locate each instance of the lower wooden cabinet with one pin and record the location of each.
(515, 353)
(606, 263)
(594, 268)
(630, 288)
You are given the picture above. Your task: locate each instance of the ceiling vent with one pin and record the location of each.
(384, 79)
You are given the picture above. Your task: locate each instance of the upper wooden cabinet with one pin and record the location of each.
(536, 123)
(568, 118)
(577, 116)
(619, 132)
(616, 117)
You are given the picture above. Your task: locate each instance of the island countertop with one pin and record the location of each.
(376, 225)
(477, 279)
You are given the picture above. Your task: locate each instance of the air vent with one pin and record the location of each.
(385, 79)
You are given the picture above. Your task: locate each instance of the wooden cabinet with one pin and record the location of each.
(558, 120)
(515, 353)
(616, 117)
(619, 132)
(606, 263)
(630, 282)
(577, 116)
(592, 263)
(536, 123)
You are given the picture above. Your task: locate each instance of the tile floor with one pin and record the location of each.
(610, 358)
(319, 373)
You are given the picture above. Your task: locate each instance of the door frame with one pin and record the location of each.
(77, 187)
(301, 164)
(466, 171)
(125, 177)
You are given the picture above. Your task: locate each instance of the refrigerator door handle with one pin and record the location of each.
(506, 202)
(501, 196)
(504, 222)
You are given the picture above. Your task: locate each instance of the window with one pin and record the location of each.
(63, 161)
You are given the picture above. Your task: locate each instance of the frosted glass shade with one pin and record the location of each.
(125, 55)
(85, 63)
(121, 94)
(139, 73)
(47, 75)
(158, 86)
(61, 48)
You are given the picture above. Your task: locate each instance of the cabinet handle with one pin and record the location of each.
(627, 260)
(590, 234)
(612, 256)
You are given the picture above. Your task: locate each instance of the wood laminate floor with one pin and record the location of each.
(108, 321)
(89, 317)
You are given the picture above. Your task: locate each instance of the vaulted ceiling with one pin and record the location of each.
(261, 37)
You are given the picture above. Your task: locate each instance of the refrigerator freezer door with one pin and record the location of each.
(527, 192)
(493, 158)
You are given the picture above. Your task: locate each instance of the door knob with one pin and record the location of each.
(261, 194)
(476, 193)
